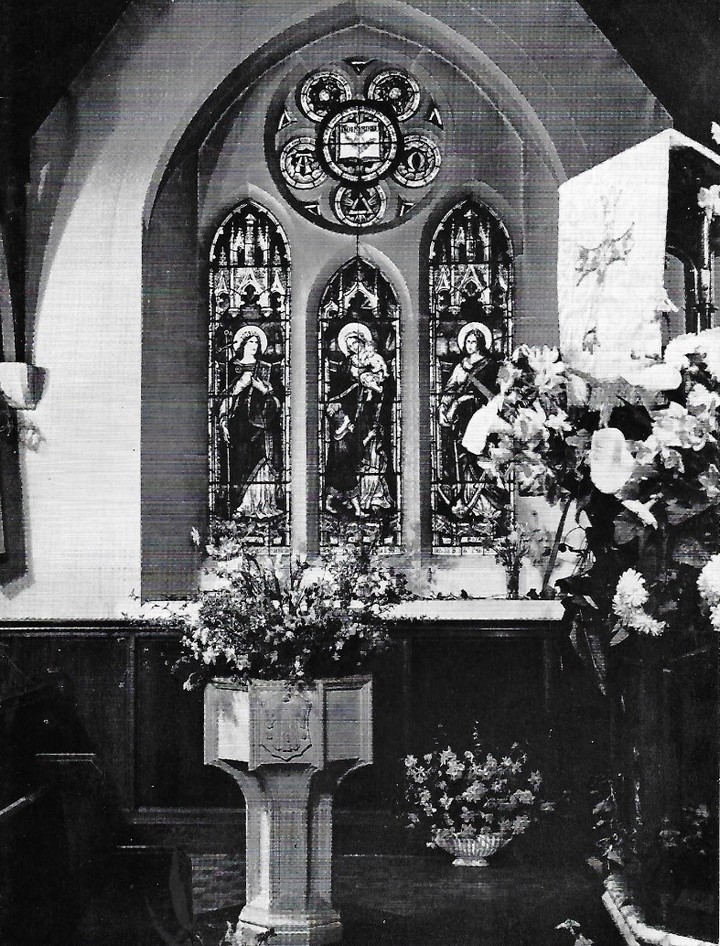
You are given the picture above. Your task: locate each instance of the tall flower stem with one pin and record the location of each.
(552, 559)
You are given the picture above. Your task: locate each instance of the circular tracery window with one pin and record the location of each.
(357, 145)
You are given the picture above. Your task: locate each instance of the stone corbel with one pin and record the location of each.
(21, 384)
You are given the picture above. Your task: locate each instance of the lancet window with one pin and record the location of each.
(359, 407)
(249, 374)
(470, 294)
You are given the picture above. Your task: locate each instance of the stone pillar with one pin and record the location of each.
(288, 750)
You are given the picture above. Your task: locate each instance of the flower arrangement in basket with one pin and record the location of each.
(288, 620)
(474, 801)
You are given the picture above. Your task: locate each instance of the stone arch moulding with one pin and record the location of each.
(429, 29)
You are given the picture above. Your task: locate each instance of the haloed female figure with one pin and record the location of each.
(250, 419)
(472, 383)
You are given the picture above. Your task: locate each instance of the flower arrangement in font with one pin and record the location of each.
(472, 792)
(290, 620)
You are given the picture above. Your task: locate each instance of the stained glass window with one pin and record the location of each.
(248, 375)
(470, 295)
(358, 144)
(358, 354)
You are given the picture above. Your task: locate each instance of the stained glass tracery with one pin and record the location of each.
(249, 374)
(470, 294)
(359, 422)
(357, 144)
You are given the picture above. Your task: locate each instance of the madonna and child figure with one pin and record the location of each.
(250, 421)
(357, 455)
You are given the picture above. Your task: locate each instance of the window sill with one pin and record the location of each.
(484, 610)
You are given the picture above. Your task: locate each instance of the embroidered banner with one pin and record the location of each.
(611, 259)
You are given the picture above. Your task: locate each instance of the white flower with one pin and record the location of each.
(657, 377)
(709, 581)
(455, 769)
(484, 422)
(524, 796)
(29, 435)
(520, 824)
(530, 422)
(715, 618)
(535, 779)
(474, 792)
(644, 624)
(611, 462)
(447, 756)
(548, 367)
(578, 390)
(709, 200)
(558, 422)
(630, 591)
(642, 511)
(410, 761)
(706, 343)
(701, 400)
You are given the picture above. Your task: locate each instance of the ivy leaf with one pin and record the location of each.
(691, 552)
(627, 528)
(677, 513)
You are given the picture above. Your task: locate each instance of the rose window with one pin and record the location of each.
(358, 145)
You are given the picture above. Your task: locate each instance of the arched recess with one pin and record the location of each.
(171, 201)
(470, 294)
(171, 488)
(249, 376)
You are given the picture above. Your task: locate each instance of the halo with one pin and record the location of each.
(248, 330)
(352, 328)
(475, 328)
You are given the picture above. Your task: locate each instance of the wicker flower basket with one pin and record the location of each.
(472, 852)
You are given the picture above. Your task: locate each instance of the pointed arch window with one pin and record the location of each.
(359, 404)
(249, 364)
(470, 295)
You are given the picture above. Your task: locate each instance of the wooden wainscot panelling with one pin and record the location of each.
(141, 734)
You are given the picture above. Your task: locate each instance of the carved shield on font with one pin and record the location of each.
(285, 731)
